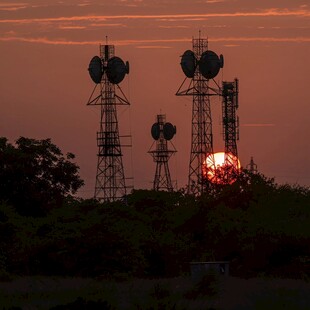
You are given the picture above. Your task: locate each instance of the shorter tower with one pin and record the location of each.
(252, 167)
(162, 132)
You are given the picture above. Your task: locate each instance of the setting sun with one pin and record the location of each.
(220, 172)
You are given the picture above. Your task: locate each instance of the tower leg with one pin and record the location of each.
(202, 141)
(110, 179)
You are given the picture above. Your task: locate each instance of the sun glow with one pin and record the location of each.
(223, 170)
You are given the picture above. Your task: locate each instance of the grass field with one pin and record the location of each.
(175, 293)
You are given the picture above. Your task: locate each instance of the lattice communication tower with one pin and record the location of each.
(107, 71)
(162, 132)
(200, 65)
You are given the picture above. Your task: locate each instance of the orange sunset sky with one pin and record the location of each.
(46, 46)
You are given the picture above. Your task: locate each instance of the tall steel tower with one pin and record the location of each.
(230, 130)
(108, 71)
(200, 65)
(162, 132)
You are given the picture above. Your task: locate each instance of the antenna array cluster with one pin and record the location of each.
(115, 68)
(209, 64)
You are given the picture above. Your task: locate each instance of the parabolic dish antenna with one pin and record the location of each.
(127, 67)
(210, 64)
(155, 131)
(169, 131)
(221, 61)
(95, 69)
(188, 63)
(116, 70)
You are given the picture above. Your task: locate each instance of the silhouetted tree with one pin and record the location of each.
(35, 175)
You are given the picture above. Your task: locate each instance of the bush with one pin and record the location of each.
(160, 297)
(81, 303)
(208, 286)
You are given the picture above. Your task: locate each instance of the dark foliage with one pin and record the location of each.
(35, 175)
(260, 227)
(207, 286)
(82, 304)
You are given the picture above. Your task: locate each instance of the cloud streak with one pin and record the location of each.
(49, 41)
(95, 18)
(258, 125)
(107, 25)
(71, 27)
(153, 47)
(44, 40)
(262, 39)
(12, 6)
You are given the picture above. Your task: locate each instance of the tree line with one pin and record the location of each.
(261, 227)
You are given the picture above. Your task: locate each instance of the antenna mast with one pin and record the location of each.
(230, 130)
